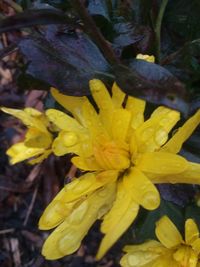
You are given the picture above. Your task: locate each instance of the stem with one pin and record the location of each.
(158, 28)
(94, 32)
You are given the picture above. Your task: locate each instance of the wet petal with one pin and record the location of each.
(191, 231)
(136, 106)
(86, 164)
(36, 138)
(67, 237)
(118, 219)
(175, 143)
(167, 233)
(117, 96)
(142, 189)
(190, 176)
(88, 183)
(162, 163)
(63, 121)
(19, 152)
(120, 124)
(70, 103)
(29, 116)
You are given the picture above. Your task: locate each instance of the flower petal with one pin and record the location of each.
(118, 219)
(70, 103)
(86, 164)
(88, 183)
(191, 231)
(167, 233)
(67, 237)
(151, 245)
(36, 138)
(190, 176)
(175, 143)
(117, 96)
(120, 124)
(136, 106)
(162, 163)
(141, 189)
(19, 152)
(39, 159)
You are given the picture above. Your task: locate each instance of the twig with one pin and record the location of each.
(30, 206)
(7, 231)
(158, 28)
(94, 32)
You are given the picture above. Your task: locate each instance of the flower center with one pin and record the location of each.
(112, 156)
(185, 256)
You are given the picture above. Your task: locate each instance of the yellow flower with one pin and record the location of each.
(37, 139)
(146, 58)
(171, 251)
(123, 156)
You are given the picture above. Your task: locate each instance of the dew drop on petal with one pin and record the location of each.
(160, 137)
(70, 139)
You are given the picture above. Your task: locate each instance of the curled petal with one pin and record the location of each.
(167, 233)
(36, 138)
(191, 231)
(175, 143)
(67, 237)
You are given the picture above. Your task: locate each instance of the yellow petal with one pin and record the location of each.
(39, 159)
(29, 116)
(63, 121)
(88, 183)
(19, 152)
(86, 164)
(136, 106)
(56, 211)
(151, 245)
(67, 237)
(175, 143)
(142, 189)
(119, 218)
(146, 58)
(117, 96)
(196, 245)
(36, 138)
(120, 124)
(153, 133)
(190, 176)
(185, 256)
(167, 233)
(139, 259)
(162, 163)
(191, 231)
(70, 103)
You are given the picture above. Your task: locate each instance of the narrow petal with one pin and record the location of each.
(175, 143)
(67, 237)
(42, 157)
(120, 124)
(190, 176)
(191, 231)
(153, 133)
(88, 183)
(63, 121)
(136, 106)
(117, 96)
(151, 245)
(70, 103)
(162, 163)
(86, 164)
(141, 189)
(196, 245)
(56, 211)
(119, 218)
(19, 152)
(167, 233)
(139, 259)
(29, 116)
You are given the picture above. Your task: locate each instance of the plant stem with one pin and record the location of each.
(14, 5)
(158, 28)
(94, 32)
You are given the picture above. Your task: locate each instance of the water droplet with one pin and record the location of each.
(160, 137)
(69, 139)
